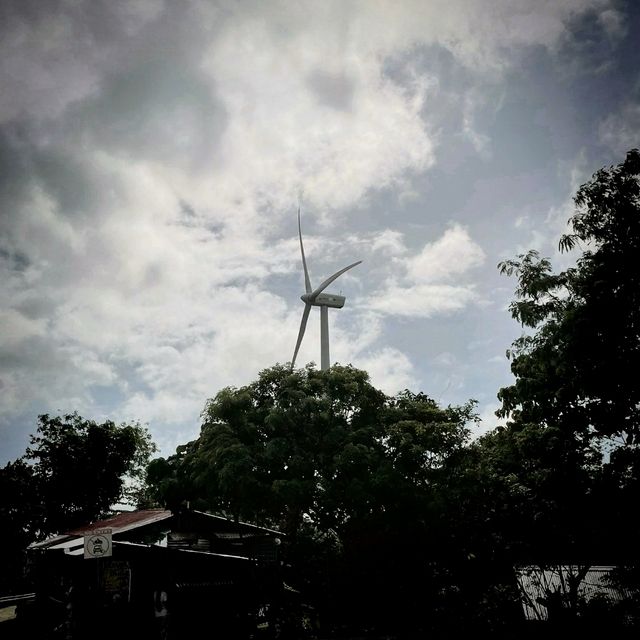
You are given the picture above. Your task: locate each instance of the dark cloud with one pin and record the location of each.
(590, 42)
(17, 261)
(15, 167)
(158, 110)
(150, 152)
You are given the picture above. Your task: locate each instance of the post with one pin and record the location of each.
(324, 337)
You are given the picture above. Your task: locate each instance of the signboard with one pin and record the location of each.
(97, 543)
(117, 579)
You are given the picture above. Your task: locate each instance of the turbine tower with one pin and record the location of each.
(315, 298)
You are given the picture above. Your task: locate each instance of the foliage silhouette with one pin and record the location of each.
(73, 472)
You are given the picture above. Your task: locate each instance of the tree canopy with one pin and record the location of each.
(340, 467)
(578, 369)
(73, 471)
(576, 385)
(309, 445)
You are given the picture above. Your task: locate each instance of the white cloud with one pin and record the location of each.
(389, 242)
(480, 141)
(422, 301)
(488, 419)
(447, 258)
(390, 370)
(543, 233)
(282, 137)
(429, 282)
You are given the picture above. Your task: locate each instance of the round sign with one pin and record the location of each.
(98, 545)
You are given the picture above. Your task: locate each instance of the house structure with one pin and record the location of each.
(107, 575)
(553, 592)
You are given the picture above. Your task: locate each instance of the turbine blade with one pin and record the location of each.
(329, 280)
(303, 326)
(307, 282)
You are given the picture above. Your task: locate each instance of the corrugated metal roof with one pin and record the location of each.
(129, 520)
(118, 523)
(206, 554)
(125, 521)
(69, 543)
(246, 525)
(536, 584)
(45, 544)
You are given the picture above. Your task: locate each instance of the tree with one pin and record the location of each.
(287, 446)
(349, 474)
(168, 484)
(73, 472)
(578, 369)
(577, 372)
(19, 514)
(309, 445)
(576, 383)
(527, 495)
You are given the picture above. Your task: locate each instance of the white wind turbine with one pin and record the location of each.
(315, 298)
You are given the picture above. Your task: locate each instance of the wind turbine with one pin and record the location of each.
(315, 298)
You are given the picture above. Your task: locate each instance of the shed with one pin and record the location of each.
(546, 591)
(214, 571)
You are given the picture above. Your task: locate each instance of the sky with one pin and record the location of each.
(153, 155)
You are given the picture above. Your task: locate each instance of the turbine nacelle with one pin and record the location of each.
(324, 300)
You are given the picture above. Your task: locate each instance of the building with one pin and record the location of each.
(549, 591)
(97, 579)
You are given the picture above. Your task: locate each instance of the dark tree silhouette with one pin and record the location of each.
(73, 472)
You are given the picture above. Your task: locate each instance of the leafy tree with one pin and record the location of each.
(308, 445)
(83, 467)
(288, 446)
(526, 495)
(576, 393)
(578, 370)
(167, 482)
(350, 474)
(73, 472)
(19, 514)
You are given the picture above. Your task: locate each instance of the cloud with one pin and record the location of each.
(620, 131)
(390, 370)
(428, 283)
(447, 258)
(55, 55)
(388, 242)
(283, 136)
(488, 419)
(153, 153)
(589, 43)
(422, 301)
